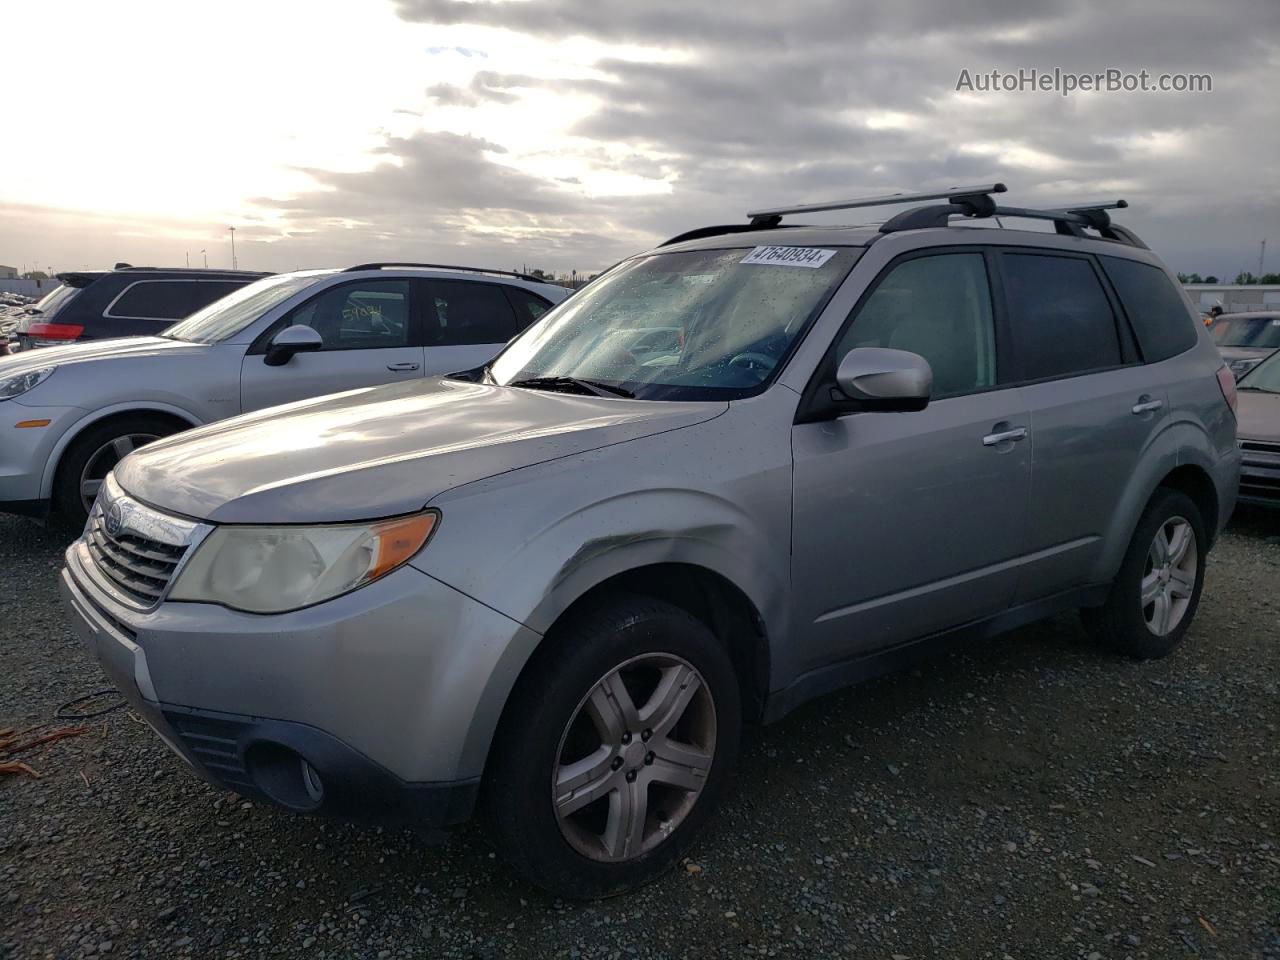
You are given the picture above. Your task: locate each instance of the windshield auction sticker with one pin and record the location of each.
(788, 256)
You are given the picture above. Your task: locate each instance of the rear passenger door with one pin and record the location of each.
(369, 334)
(465, 323)
(1094, 410)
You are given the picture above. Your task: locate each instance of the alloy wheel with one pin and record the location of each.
(102, 460)
(634, 757)
(1169, 577)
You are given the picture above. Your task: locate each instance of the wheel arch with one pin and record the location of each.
(710, 597)
(183, 417)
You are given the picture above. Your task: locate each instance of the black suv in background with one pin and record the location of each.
(124, 302)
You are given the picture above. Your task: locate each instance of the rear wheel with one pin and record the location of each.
(94, 454)
(1155, 595)
(614, 749)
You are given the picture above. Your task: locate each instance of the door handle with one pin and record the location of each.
(1004, 436)
(1146, 406)
(398, 367)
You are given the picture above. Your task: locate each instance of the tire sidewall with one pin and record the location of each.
(549, 697)
(1132, 635)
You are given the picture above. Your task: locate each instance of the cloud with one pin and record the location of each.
(720, 110)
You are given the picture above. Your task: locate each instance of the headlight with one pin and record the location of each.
(1241, 367)
(19, 384)
(274, 569)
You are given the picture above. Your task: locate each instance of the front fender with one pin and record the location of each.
(93, 416)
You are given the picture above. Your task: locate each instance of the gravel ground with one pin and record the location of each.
(1027, 798)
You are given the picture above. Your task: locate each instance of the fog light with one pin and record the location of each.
(285, 776)
(312, 783)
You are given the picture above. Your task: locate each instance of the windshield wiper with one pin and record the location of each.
(585, 386)
(1257, 389)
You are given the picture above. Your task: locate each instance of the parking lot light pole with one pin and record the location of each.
(233, 248)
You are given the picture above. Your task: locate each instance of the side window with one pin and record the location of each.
(1063, 324)
(527, 306)
(1159, 315)
(167, 299)
(365, 315)
(200, 295)
(462, 312)
(939, 307)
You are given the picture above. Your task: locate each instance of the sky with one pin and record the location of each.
(567, 134)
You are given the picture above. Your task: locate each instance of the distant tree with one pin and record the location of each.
(1189, 278)
(1210, 279)
(1271, 278)
(1245, 278)
(35, 275)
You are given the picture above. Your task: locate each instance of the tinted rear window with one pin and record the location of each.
(462, 312)
(1260, 332)
(169, 299)
(1063, 324)
(1157, 311)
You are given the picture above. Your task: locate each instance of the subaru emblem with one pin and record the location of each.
(114, 521)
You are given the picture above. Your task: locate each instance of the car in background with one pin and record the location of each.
(1246, 339)
(68, 414)
(124, 302)
(1258, 433)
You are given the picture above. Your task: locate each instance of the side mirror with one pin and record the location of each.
(877, 378)
(296, 339)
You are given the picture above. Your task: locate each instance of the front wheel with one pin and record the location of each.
(1157, 590)
(94, 454)
(614, 749)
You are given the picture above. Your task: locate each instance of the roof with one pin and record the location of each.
(797, 236)
(1250, 315)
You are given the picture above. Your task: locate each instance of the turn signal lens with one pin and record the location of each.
(398, 540)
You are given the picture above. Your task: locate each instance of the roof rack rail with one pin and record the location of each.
(976, 202)
(446, 266)
(128, 266)
(773, 215)
(1070, 219)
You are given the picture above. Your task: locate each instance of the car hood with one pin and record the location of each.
(1258, 416)
(28, 360)
(1245, 353)
(379, 451)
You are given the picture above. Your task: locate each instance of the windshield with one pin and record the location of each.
(1265, 376)
(228, 316)
(705, 325)
(55, 300)
(1247, 332)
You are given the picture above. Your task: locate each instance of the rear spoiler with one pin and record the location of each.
(80, 278)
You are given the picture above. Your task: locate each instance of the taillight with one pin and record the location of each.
(1228, 384)
(55, 331)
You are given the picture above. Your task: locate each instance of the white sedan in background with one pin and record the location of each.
(69, 414)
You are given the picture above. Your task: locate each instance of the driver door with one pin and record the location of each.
(370, 337)
(905, 524)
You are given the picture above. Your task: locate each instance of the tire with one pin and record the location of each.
(1152, 630)
(94, 448)
(561, 839)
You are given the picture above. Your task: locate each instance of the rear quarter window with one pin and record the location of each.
(1160, 318)
(168, 300)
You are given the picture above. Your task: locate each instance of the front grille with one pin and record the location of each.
(138, 566)
(1260, 446)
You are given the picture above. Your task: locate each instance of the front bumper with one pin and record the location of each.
(25, 451)
(382, 692)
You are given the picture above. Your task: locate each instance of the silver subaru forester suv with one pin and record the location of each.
(751, 466)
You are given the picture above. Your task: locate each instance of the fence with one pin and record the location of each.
(31, 288)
